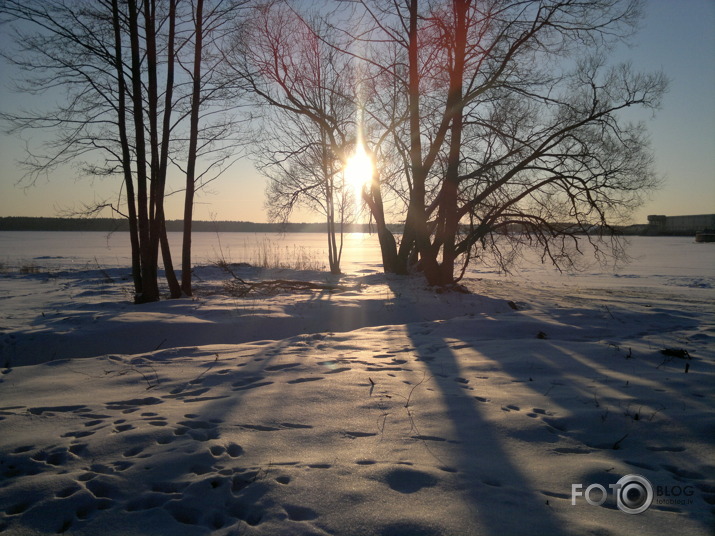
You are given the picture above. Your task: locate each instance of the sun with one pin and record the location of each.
(359, 169)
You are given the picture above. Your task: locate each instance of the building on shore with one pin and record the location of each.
(680, 225)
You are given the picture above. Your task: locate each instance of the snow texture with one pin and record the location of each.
(389, 409)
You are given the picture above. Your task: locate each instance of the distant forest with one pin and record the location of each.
(108, 225)
(118, 225)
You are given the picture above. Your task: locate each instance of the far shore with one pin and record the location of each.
(112, 225)
(117, 225)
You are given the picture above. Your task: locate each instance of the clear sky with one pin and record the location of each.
(677, 36)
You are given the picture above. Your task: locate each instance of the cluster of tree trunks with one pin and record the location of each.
(127, 112)
(482, 116)
(476, 126)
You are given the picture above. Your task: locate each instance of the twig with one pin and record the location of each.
(107, 278)
(617, 444)
(656, 412)
(195, 380)
(148, 380)
(609, 312)
(407, 404)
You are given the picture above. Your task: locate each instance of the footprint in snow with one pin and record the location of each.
(300, 513)
(132, 452)
(408, 481)
(295, 425)
(133, 404)
(275, 368)
(683, 473)
(337, 370)
(355, 435)
(51, 410)
(78, 434)
(307, 379)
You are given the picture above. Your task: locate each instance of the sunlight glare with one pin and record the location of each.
(359, 170)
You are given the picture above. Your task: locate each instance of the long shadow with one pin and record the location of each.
(489, 477)
(626, 408)
(568, 376)
(81, 330)
(488, 473)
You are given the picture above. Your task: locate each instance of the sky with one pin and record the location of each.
(676, 36)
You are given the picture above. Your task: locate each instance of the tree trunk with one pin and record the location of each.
(158, 165)
(448, 213)
(388, 246)
(174, 287)
(150, 288)
(328, 177)
(193, 147)
(333, 258)
(126, 153)
(413, 95)
(449, 231)
(416, 233)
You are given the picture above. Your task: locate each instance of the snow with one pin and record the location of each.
(388, 409)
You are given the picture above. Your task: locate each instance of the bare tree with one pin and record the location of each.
(127, 110)
(513, 127)
(193, 141)
(309, 177)
(306, 90)
(92, 51)
(212, 131)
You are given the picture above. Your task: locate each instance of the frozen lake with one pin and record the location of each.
(63, 250)
(676, 261)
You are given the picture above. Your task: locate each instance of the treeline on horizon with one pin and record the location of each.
(107, 225)
(110, 225)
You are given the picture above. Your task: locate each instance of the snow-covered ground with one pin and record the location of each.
(386, 409)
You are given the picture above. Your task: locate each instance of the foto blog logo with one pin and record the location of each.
(633, 493)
